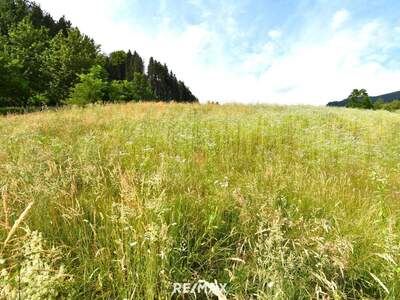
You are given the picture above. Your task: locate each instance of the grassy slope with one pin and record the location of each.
(279, 202)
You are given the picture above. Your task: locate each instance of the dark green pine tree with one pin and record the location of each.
(152, 74)
(137, 63)
(129, 66)
(40, 58)
(134, 64)
(62, 26)
(163, 74)
(13, 11)
(116, 64)
(165, 86)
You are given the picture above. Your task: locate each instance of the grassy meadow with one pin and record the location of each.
(121, 201)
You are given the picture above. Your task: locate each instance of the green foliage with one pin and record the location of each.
(161, 84)
(391, 106)
(116, 65)
(91, 88)
(11, 110)
(24, 55)
(11, 13)
(359, 99)
(40, 60)
(121, 90)
(379, 104)
(38, 100)
(136, 90)
(165, 85)
(141, 88)
(11, 77)
(134, 64)
(66, 57)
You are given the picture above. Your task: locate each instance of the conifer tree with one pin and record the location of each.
(137, 63)
(129, 66)
(116, 65)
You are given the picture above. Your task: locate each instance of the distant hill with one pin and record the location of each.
(386, 98)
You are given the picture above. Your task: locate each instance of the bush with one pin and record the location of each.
(392, 106)
(38, 100)
(136, 90)
(11, 110)
(379, 104)
(91, 88)
(121, 90)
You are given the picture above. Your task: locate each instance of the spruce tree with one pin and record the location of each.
(138, 65)
(129, 66)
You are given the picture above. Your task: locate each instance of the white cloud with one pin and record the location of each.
(319, 72)
(273, 34)
(303, 72)
(339, 18)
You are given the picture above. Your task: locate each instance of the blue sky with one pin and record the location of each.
(246, 51)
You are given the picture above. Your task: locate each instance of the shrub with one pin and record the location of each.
(121, 90)
(91, 88)
(38, 100)
(11, 110)
(392, 106)
(136, 90)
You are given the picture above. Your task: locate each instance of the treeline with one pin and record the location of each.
(390, 106)
(361, 99)
(47, 62)
(163, 82)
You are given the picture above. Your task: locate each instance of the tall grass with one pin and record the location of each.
(277, 202)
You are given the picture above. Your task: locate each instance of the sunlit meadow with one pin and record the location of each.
(121, 201)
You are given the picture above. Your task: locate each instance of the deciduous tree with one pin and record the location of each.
(65, 58)
(91, 88)
(359, 99)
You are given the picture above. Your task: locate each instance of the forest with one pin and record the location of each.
(48, 62)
